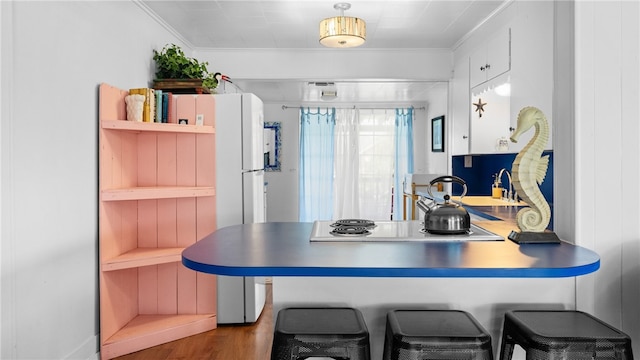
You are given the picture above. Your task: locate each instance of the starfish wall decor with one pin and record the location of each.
(479, 106)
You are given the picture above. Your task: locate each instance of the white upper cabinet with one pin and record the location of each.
(459, 138)
(517, 44)
(491, 59)
(475, 76)
(489, 117)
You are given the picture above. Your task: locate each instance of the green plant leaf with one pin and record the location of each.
(172, 63)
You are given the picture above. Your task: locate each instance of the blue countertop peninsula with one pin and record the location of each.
(284, 249)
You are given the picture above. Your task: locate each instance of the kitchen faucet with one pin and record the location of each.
(511, 196)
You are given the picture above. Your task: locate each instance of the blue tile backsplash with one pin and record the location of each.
(479, 177)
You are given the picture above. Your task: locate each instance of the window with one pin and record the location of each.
(375, 174)
(366, 148)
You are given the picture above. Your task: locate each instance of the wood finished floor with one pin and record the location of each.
(227, 342)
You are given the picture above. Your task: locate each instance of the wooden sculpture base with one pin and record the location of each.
(527, 237)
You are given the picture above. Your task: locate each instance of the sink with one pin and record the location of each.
(485, 201)
(477, 215)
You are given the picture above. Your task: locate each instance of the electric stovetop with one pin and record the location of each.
(391, 231)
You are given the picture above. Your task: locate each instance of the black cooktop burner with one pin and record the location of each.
(350, 231)
(354, 223)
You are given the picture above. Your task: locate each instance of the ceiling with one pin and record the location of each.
(291, 24)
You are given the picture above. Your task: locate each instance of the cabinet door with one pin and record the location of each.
(491, 59)
(499, 54)
(460, 108)
(490, 126)
(477, 66)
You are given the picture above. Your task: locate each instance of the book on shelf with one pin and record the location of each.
(158, 108)
(170, 110)
(157, 105)
(167, 98)
(151, 104)
(164, 107)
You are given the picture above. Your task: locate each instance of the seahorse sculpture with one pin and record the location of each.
(529, 170)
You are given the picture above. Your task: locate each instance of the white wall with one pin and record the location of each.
(427, 162)
(600, 151)
(54, 55)
(6, 43)
(282, 190)
(331, 64)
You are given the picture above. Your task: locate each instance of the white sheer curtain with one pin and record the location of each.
(346, 164)
(376, 163)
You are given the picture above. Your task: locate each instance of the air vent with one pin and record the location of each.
(321, 83)
(328, 95)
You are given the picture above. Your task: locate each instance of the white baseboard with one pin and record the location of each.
(88, 350)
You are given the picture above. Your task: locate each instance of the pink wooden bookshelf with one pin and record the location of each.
(157, 197)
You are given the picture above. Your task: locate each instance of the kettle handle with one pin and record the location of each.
(449, 179)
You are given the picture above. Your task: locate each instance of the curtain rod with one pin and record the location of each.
(284, 107)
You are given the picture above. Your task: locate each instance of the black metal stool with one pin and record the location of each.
(435, 334)
(562, 334)
(338, 333)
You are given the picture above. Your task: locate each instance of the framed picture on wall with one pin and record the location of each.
(437, 134)
(272, 146)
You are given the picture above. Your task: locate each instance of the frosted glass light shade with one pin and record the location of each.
(342, 32)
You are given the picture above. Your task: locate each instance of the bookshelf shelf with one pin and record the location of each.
(156, 192)
(148, 329)
(156, 127)
(139, 257)
(157, 197)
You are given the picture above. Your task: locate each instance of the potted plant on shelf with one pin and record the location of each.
(176, 71)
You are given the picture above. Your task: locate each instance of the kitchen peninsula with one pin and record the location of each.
(485, 278)
(284, 249)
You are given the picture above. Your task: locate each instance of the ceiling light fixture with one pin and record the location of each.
(342, 31)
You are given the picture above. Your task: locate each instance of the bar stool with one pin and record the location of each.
(562, 334)
(338, 333)
(435, 334)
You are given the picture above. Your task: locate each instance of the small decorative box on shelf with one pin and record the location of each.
(181, 86)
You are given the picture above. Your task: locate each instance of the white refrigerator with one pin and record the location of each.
(239, 195)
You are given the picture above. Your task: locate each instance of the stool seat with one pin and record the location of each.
(338, 333)
(562, 334)
(435, 334)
